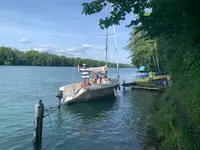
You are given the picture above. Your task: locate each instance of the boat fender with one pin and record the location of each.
(59, 94)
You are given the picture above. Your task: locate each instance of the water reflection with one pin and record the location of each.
(87, 118)
(144, 105)
(84, 112)
(60, 118)
(94, 109)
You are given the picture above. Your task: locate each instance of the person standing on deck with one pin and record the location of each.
(85, 74)
(151, 74)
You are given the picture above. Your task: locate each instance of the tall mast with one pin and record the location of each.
(116, 56)
(115, 44)
(106, 35)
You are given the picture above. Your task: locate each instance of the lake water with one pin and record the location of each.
(102, 124)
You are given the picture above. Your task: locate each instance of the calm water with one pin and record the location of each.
(102, 124)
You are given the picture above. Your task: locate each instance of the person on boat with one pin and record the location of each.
(159, 82)
(151, 74)
(165, 82)
(98, 80)
(85, 75)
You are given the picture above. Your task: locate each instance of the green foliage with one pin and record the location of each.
(165, 18)
(120, 9)
(10, 56)
(142, 50)
(176, 26)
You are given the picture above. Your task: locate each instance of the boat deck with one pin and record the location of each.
(76, 92)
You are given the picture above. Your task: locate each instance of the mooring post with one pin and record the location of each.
(38, 124)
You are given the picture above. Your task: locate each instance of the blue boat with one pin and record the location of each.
(156, 74)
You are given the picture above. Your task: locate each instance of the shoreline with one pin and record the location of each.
(52, 66)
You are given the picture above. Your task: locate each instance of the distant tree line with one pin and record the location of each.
(9, 56)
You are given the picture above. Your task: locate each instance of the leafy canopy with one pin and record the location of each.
(142, 50)
(120, 9)
(166, 17)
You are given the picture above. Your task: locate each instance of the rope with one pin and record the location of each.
(50, 123)
(49, 112)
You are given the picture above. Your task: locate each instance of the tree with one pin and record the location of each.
(166, 17)
(142, 50)
(10, 56)
(120, 9)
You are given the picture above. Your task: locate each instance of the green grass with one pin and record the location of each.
(170, 132)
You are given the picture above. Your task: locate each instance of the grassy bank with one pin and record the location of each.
(164, 122)
(174, 129)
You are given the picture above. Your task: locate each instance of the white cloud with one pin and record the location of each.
(73, 54)
(82, 51)
(86, 46)
(24, 40)
(102, 47)
(76, 51)
(80, 48)
(50, 48)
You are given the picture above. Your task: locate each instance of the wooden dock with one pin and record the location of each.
(135, 85)
(151, 88)
(129, 84)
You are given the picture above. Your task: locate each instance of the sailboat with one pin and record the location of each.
(75, 92)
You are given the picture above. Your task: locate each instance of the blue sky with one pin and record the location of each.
(57, 26)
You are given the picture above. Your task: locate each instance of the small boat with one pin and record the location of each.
(75, 92)
(157, 84)
(144, 86)
(156, 74)
(160, 77)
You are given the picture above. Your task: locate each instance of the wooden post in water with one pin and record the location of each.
(38, 124)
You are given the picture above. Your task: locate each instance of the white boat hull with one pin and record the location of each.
(74, 93)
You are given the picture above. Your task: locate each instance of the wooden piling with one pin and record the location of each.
(38, 124)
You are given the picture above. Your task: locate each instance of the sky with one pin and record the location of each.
(59, 27)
